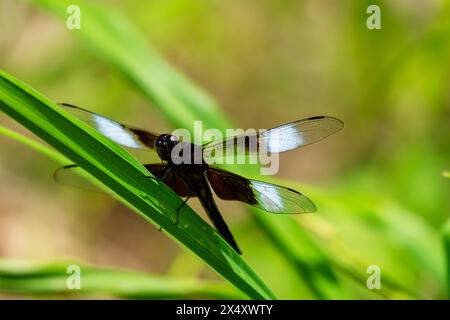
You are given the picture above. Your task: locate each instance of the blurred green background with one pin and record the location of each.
(382, 199)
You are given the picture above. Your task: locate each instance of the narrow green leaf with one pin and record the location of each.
(446, 240)
(55, 155)
(52, 279)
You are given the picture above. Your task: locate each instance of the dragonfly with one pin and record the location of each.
(199, 179)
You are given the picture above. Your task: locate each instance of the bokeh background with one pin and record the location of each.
(382, 198)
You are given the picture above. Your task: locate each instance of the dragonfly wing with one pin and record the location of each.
(74, 176)
(124, 135)
(299, 133)
(283, 138)
(269, 197)
(173, 180)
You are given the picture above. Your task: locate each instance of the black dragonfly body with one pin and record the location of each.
(196, 179)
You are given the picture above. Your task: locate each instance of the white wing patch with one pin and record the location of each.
(277, 199)
(281, 140)
(115, 132)
(269, 196)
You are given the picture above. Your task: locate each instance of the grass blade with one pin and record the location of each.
(446, 241)
(51, 279)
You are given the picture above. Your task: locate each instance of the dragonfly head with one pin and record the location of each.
(164, 145)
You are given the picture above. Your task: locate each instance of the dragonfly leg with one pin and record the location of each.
(167, 170)
(179, 209)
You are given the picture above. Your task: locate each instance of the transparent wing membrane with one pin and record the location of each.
(266, 196)
(74, 176)
(283, 138)
(124, 135)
